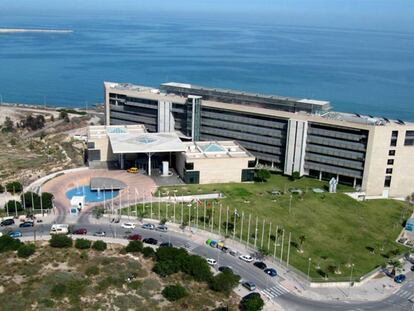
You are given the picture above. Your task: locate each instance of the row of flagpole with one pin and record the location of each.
(23, 202)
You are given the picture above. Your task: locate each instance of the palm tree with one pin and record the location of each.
(302, 239)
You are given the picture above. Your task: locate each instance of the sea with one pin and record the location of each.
(358, 70)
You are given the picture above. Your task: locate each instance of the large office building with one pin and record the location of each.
(373, 154)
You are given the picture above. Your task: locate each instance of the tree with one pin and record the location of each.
(174, 292)
(26, 250)
(262, 175)
(224, 282)
(33, 123)
(7, 243)
(302, 239)
(12, 205)
(148, 252)
(14, 187)
(8, 125)
(60, 241)
(197, 267)
(82, 244)
(295, 175)
(98, 212)
(63, 115)
(134, 247)
(2, 189)
(99, 246)
(252, 302)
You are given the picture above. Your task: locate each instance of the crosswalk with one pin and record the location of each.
(405, 294)
(275, 291)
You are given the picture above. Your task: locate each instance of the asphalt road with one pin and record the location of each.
(248, 272)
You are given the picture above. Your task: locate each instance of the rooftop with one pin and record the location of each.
(215, 149)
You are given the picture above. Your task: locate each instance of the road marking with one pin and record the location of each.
(275, 291)
(403, 293)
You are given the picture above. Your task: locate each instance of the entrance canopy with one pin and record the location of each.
(123, 143)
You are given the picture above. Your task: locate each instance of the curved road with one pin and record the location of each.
(248, 272)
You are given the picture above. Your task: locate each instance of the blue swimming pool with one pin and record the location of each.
(91, 196)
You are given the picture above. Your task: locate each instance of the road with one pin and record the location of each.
(398, 301)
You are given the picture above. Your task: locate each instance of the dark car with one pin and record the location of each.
(135, 237)
(412, 268)
(270, 271)
(166, 244)
(26, 224)
(150, 241)
(399, 278)
(224, 268)
(260, 264)
(7, 222)
(80, 231)
(249, 285)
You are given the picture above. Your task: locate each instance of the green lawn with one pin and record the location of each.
(338, 230)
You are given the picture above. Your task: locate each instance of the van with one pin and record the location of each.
(59, 229)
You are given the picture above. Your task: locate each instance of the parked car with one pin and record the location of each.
(249, 285)
(7, 222)
(162, 228)
(260, 264)
(399, 278)
(134, 237)
(211, 261)
(150, 241)
(409, 258)
(224, 268)
(128, 225)
(80, 231)
(166, 244)
(270, 271)
(100, 233)
(148, 226)
(246, 258)
(26, 224)
(15, 234)
(234, 253)
(132, 170)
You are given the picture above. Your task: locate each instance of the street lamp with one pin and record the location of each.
(309, 265)
(350, 279)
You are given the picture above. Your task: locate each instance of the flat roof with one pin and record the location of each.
(145, 142)
(215, 149)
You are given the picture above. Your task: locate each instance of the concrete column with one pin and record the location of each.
(121, 160)
(354, 182)
(149, 163)
(320, 175)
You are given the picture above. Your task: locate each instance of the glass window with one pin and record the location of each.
(388, 171)
(409, 138)
(387, 181)
(391, 152)
(189, 165)
(390, 161)
(394, 138)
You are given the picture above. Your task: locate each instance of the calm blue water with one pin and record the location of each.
(357, 70)
(91, 196)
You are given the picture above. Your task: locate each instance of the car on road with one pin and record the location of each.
(80, 231)
(128, 225)
(15, 234)
(7, 222)
(166, 244)
(100, 233)
(234, 253)
(249, 285)
(224, 268)
(211, 261)
(399, 278)
(148, 226)
(26, 224)
(134, 237)
(260, 264)
(132, 170)
(151, 241)
(246, 258)
(162, 228)
(412, 268)
(270, 271)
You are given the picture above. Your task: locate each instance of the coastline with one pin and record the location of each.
(24, 30)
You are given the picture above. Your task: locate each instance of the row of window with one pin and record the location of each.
(408, 141)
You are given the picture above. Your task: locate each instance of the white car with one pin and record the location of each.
(128, 225)
(148, 226)
(246, 258)
(162, 228)
(211, 261)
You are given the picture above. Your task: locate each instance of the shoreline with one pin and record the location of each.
(24, 30)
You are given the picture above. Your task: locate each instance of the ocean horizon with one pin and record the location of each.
(358, 70)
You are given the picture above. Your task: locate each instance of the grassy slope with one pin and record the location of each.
(337, 229)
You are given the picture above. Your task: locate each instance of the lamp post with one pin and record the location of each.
(309, 265)
(350, 279)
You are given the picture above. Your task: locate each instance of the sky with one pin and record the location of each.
(367, 14)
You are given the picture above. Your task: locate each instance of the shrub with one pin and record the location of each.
(224, 282)
(60, 241)
(92, 270)
(174, 292)
(252, 302)
(2, 189)
(295, 175)
(134, 247)
(166, 268)
(148, 252)
(26, 250)
(12, 205)
(84, 255)
(14, 186)
(7, 243)
(82, 244)
(197, 267)
(262, 175)
(99, 245)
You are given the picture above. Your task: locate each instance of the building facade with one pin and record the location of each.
(372, 154)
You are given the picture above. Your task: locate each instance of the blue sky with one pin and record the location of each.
(375, 14)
